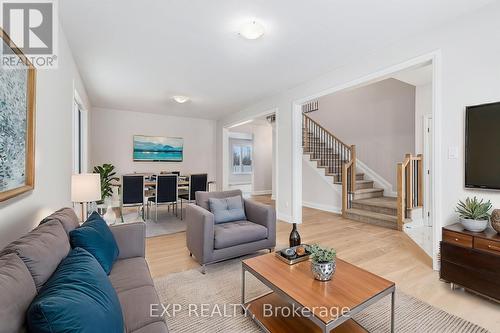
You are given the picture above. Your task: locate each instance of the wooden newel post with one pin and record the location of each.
(408, 182)
(420, 167)
(344, 190)
(400, 202)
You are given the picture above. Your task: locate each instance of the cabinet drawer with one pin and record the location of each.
(457, 238)
(482, 282)
(487, 245)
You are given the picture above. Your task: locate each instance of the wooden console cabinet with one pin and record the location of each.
(471, 260)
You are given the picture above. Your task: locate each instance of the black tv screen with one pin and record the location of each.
(482, 146)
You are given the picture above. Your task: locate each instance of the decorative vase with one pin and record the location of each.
(474, 225)
(110, 216)
(294, 236)
(323, 271)
(495, 220)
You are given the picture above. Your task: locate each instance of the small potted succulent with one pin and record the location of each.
(474, 214)
(323, 262)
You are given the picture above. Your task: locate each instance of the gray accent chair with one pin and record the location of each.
(209, 242)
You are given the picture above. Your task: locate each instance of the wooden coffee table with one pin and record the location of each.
(299, 303)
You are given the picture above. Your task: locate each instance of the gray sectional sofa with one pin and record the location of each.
(27, 263)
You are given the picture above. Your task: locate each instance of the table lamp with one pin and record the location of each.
(85, 188)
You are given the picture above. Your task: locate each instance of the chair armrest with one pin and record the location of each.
(200, 232)
(262, 214)
(131, 239)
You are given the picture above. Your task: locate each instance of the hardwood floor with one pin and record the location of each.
(388, 253)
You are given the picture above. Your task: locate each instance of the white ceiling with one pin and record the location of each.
(416, 77)
(134, 55)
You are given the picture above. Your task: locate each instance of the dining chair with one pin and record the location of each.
(197, 182)
(132, 194)
(166, 192)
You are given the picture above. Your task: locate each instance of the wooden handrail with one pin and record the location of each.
(333, 154)
(410, 186)
(324, 129)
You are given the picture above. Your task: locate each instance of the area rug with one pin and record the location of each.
(208, 303)
(166, 224)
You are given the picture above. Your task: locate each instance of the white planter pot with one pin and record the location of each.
(474, 225)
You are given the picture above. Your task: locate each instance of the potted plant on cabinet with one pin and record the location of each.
(323, 262)
(474, 214)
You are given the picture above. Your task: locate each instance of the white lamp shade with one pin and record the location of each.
(86, 187)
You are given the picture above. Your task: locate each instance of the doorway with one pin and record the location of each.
(249, 155)
(433, 59)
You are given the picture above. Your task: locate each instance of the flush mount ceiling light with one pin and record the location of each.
(181, 99)
(252, 30)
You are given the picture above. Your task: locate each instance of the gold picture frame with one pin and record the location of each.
(28, 177)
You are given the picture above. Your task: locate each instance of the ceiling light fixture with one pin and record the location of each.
(181, 99)
(252, 30)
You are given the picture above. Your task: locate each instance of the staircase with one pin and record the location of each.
(362, 201)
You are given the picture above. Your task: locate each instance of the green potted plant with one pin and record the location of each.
(474, 214)
(323, 262)
(107, 173)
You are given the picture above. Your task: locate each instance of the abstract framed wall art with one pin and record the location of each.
(17, 124)
(158, 149)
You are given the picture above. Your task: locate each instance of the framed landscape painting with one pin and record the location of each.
(17, 124)
(158, 149)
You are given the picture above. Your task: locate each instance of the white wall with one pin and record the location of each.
(470, 74)
(423, 107)
(53, 149)
(112, 134)
(378, 118)
(262, 159)
(316, 191)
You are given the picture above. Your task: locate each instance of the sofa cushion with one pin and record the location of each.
(42, 250)
(157, 327)
(65, 216)
(129, 274)
(77, 298)
(96, 237)
(202, 197)
(136, 306)
(236, 233)
(227, 209)
(17, 290)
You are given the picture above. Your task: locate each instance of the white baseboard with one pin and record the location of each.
(264, 192)
(326, 208)
(284, 217)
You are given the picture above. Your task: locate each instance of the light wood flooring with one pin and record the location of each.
(388, 253)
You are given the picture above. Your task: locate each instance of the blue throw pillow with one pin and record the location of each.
(78, 297)
(96, 237)
(227, 209)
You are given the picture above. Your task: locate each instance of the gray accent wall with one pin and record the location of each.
(378, 118)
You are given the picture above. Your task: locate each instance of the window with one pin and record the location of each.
(242, 159)
(79, 137)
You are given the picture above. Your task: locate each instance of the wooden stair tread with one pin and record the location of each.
(386, 202)
(368, 190)
(373, 215)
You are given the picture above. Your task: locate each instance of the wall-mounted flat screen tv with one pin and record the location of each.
(158, 149)
(482, 146)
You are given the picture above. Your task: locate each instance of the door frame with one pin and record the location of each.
(433, 58)
(428, 132)
(225, 147)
